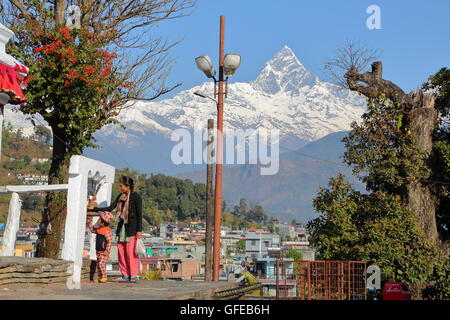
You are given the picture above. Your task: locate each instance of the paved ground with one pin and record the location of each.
(143, 290)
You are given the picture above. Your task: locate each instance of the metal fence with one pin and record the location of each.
(321, 280)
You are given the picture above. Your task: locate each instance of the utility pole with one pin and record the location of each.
(218, 188)
(209, 203)
(228, 64)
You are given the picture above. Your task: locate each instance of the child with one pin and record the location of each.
(103, 242)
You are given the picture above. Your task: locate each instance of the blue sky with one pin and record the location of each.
(414, 40)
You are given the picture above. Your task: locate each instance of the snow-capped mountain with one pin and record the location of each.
(285, 96)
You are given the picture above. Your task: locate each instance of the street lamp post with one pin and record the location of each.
(228, 64)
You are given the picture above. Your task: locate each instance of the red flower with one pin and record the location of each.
(104, 53)
(70, 51)
(67, 83)
(52, 47)
(72, 74)
(72, 59)
(38, 49)
(65, 31)
(106, 73)
(89, 70)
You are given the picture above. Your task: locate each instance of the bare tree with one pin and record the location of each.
(349, 56)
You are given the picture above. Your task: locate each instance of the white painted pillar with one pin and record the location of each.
(12, 226)
(75, 227)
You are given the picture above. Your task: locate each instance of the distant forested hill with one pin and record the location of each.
(18, 152)
(170, 199)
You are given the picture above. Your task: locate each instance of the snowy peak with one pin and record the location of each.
(285, 96)
(284, 72)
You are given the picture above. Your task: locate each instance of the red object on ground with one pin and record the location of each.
(396, 291)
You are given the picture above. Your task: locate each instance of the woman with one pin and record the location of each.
(128, 207)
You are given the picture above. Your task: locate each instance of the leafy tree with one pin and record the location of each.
(82, 78)
(167, 198)
(375, 228)
(251, 213)
(241, 210)
(224, 206)
(240, 245)
(400, 150)
(394, 144)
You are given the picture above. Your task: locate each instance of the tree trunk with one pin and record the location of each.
(419, 196)
(54, 215)
(60, 9)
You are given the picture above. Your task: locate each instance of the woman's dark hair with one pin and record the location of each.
(127, 181)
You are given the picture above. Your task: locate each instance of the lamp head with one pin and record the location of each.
(231, 63)
(200, 94)
(205, 64)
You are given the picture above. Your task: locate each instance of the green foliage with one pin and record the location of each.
(167, 198)
(440, 287)
(240, 245)
(440, 84)
(382, 150)
(71, 79)
(375, 228)
(251, 213)
(153, 275)
(294, 254)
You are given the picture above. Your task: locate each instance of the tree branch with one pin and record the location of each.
(19, 5)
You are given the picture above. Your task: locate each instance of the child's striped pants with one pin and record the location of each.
(101, 264)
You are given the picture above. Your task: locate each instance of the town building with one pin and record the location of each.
(286, 231)
(257, 243)
(303, 247)
(265, 271)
